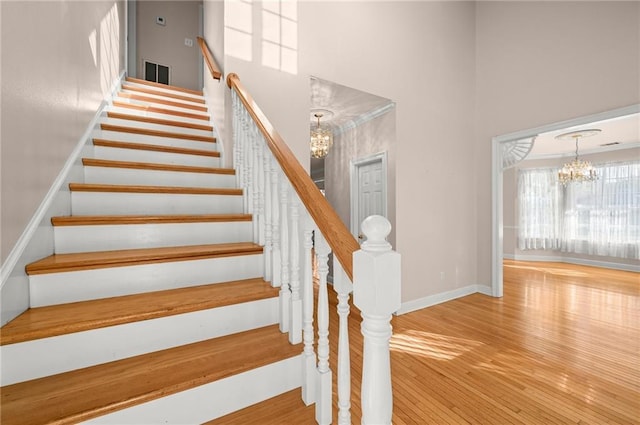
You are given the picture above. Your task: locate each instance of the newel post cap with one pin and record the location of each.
(376, 270)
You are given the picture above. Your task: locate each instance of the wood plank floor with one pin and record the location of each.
(561, 347)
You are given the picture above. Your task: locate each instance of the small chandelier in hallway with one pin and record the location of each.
(577, 170)
(321, 139)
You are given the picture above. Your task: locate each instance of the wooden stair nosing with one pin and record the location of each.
(83, 394)
(97, 220)
(164, 86)
(108, 163)
(155, 148)
(157, 133)
(88, 187)
(162, 101)
(157, 110)
(50, 321)
(160, 121)
(161, 93)
(58, 263)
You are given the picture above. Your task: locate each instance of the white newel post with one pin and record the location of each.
(343, 286)
(376, 292)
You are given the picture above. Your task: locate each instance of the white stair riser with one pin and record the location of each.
(157, 101)
(193, 101)
(205, 403)
(163, 90)
(142, 113)
(107, 203)
(139, 155)
(116, 136)
(69, 239)
(24, 361)
(156, 104)
(131, 176)
(157, 127)
(82, 285)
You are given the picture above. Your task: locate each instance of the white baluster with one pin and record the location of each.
(295, 310)
(342, 285)
(324, 379)
(275, 219)
(255, 194)
(376, 292)
(285, 291)
(260, 146)
(268, 217)
(246, 161)
(308, 354)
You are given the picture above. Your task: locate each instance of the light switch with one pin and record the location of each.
(188, 42)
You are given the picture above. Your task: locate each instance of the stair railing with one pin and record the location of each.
(214, 69)
(293, 220)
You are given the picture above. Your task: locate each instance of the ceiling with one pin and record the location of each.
(625, 131)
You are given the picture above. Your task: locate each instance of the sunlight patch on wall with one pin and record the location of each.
(431, 345)
(238, 29)
(280, 35)
(109, 49)
(93, 45)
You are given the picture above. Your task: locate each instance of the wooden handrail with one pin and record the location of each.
(208, 58)
(334, 230)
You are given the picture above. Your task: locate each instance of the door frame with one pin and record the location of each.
(497, 241)
(355, 164)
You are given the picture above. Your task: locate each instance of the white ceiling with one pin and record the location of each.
(623, 130)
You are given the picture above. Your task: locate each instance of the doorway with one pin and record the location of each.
(502, 146)
(368, 190)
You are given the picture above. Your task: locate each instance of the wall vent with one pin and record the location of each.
(610, 144)
(156, 72)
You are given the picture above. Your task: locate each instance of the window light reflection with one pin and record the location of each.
(431, 345)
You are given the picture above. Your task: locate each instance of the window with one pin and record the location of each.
(598, 218)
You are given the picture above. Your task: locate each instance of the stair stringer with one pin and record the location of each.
(205, 403)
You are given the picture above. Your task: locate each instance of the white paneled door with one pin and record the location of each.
(368, 190)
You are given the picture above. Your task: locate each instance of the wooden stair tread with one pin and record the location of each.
(162, 101)
(157, 133)
(155, 148)
(57, 263)
(149, 108)
(82, 394)
(160, 121)
(76, 220)
(121, 188)
(161, 93)
(43, 322)
(95, 162)
(164, 86)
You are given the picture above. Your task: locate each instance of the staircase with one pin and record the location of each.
(153, 308)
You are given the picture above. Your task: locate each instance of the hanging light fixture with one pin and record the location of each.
(577, 170)
(321, 139)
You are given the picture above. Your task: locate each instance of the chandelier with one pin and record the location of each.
(321, 139)
(577, 170)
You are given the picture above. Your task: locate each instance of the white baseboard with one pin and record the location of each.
(578, 261)
(442, 297)
(38, 235)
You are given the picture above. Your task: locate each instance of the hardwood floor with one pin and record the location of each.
(561, 347)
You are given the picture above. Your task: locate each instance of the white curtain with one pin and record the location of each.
(596, 218)
(540, 208)
(603, 218)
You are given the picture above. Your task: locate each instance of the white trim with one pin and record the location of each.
(353, 177)
(219, 138)
(496, 180)
(47, 202)
(620, 147)
(577, 261)
(442, 297)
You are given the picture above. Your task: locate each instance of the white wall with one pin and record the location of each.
(165, 44)
(511, 210)
(59, 60)
(543, 62)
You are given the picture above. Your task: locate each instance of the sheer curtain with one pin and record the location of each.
(597, 218)
(540, 200)
(603, 218)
